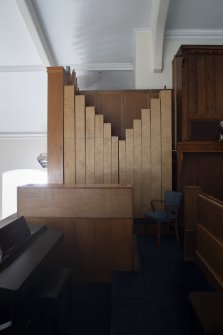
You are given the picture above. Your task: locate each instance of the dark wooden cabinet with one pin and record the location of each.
(198, 109)
(198, 92)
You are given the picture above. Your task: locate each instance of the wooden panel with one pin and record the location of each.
(192, 86)
(80, 138)
(107, 153)
(55, 124)
(177, 93)
(69, 136)
(185, 101)
(129, 156)
(201, 85)
(94, 248)
(90, 130)
(203, 169)
(166, 140)
(97, 222)
(134, 102)
(87, 201)
(146, 160)
(114, 160)
(122, 163)
(198, 71)
(210, 237)
(210, 252)
(190, 221)
(120, 107)
(210, 212)
(218, 83)
(190, 206)
(99, 150)
(82, 253)
(210, 82)
(115, 238)
(108, 103)
(137, 166)
(155, 150)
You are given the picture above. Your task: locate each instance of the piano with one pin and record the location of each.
(24, 250)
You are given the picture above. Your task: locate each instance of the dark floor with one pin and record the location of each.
(166, 280)
(153, 300)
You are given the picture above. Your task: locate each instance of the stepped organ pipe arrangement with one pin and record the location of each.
(84, 150)
(143, 159)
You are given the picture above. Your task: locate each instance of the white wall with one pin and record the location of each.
(106, 80)
(144, 75)
(20, 152)
(23, 97)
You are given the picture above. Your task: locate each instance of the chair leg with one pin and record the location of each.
(177, 231)
(158, 234)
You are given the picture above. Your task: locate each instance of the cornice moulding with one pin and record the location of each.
(22, 68)
(193, 34)
(101, 67)
(77, 67)
(24, 135)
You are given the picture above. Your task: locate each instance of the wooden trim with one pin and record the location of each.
(66, 201)
(199, 146)
(199, 49)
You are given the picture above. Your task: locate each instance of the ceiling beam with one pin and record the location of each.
(33, 25)
(160, 10)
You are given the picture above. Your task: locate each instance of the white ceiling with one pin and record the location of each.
(95, 37)
(93, 33)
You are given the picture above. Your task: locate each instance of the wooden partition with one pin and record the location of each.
(97, 222)
(206, 214)
(210, 237)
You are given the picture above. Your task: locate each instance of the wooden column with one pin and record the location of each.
(55, 124)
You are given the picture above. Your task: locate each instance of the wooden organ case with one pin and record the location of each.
(109, 153)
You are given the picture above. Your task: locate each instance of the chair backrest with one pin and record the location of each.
(173, 201)
(173, 197)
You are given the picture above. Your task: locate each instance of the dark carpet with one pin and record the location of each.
(153, 300)
(166, 280)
